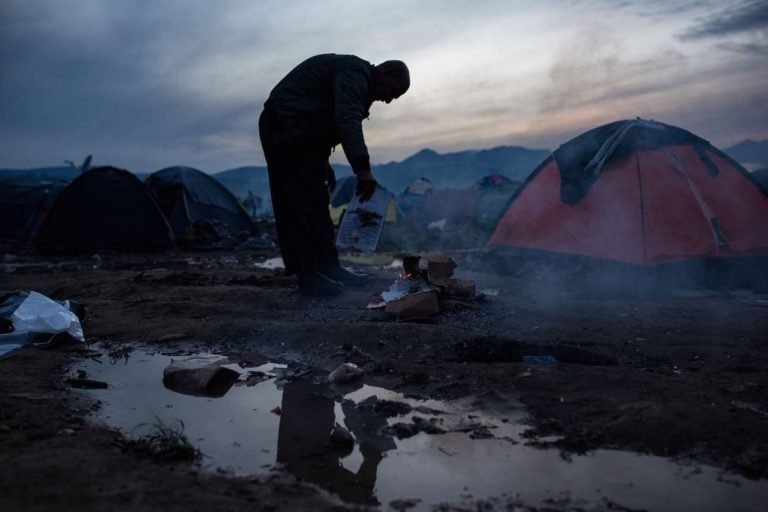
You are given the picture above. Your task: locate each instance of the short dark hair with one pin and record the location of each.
(398, 70)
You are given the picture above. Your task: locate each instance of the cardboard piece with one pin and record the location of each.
(427, 281)
(414, 306)
(199, 376)
(362, 223)
(456, 288)
(404, 287)
(439, 267)
(429, 266)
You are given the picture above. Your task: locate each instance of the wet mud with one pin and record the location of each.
(579, 399)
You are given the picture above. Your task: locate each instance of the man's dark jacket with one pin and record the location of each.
(322, 102)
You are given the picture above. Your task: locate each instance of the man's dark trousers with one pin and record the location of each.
(300, 199)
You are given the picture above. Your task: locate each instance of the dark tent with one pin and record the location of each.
(639, 192)
(24, 206)
(104, 209)
(186, 195)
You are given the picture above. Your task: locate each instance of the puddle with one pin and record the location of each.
(284, 422)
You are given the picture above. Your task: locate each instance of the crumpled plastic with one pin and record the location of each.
(31, 314)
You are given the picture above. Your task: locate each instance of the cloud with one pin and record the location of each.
(125, 83)
(146, 84)
(753, 49)
(657, 10)
(749, 17)
(660, 9)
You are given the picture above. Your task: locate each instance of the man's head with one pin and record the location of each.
(390, 81)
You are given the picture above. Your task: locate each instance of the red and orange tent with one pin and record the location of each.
(640, 192)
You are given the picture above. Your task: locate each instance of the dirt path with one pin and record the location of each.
(676, 374)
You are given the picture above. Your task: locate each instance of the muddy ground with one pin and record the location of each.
(675, 371)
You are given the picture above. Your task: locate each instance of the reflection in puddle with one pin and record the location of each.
(280, 417)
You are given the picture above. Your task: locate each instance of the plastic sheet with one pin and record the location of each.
(32, 318)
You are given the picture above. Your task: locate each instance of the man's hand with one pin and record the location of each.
(330, 177)
(366, 185)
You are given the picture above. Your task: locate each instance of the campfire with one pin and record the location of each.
(426, 281)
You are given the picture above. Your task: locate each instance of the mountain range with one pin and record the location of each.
(750, 153)
(449, 170)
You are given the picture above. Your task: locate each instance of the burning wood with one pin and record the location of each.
(426, 280)
(430, 266)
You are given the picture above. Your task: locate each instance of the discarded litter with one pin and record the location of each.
(200, 376)
(427, 280)
(32, 318)
(404, 287)
(423, 304)
(341, 437)
(271, 264)
(346, 372)
(288, 375)
(429, 266)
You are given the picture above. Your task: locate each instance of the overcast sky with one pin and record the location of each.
(145, 84)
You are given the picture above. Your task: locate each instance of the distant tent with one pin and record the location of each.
(640, 192)
(420, 186)
(24, 206)
(186, 195)
(104, 208)
(493, 194)
(450, 218)
(342, 195)
(414, 194)
(482, 203)
(454, 205)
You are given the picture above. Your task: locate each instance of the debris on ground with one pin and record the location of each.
(341, 437)
(426, 282)
(200, 376)
(614, 385)
(286, 375)
(346, 372)
(31, 318)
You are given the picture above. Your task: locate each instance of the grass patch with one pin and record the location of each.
(164, 443)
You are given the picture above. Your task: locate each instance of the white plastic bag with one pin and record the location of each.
(38, 313)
